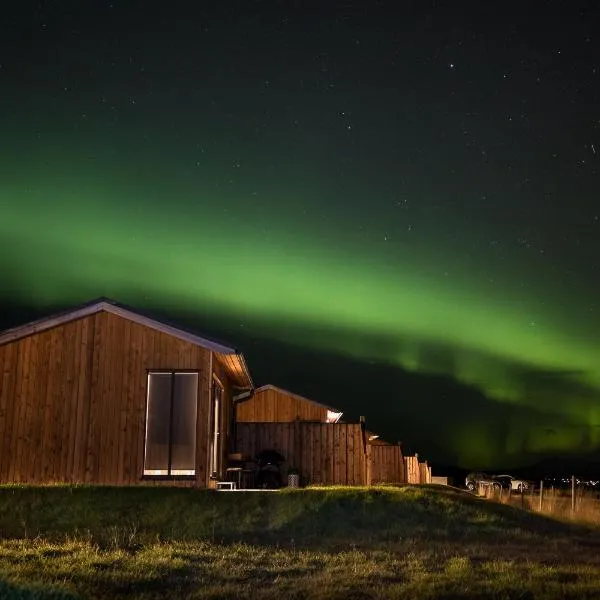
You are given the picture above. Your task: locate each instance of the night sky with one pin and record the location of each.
(392, 207)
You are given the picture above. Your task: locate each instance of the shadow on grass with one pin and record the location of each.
(325, 519)
(11, 591)
(377, 518)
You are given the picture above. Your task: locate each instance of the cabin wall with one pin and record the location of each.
(270, 406)
(441, 480)
(227, 424)
(73, 400)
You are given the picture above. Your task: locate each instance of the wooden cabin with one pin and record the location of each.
(104, 394)
(309, 435)
(271, 404)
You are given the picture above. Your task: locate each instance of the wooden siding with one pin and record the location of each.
(234, 366)
(73, 400)
(272, 405)
(412, 470)
(385, 464)
(424, 473)
(324, 453)
(220, 371)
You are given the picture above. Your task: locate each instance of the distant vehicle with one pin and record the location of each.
(476, 479)
(508, 482)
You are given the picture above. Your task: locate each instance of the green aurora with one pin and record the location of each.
(390, 207)
(290, 282)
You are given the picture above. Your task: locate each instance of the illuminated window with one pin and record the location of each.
(171, 414)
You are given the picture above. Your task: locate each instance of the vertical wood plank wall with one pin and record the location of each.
(273, 405)
(325, 453)
(411, 467)
(385, 464)
(226, 412)
(424, 472)
(73, 400)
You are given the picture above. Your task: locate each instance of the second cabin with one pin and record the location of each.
(271, 404)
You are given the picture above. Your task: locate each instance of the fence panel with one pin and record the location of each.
(424, 473)
(411, 465)
(386, 464)
(325, 453)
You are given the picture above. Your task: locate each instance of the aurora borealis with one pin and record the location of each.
(408, 195)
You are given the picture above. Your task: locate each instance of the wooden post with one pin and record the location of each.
(369, 464)
(572, 494)
(522, 498)
(541, 494)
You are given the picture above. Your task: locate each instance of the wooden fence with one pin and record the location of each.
(331, 453)
(324, 453)
(424, 472)
(411, 468)
(385, 464)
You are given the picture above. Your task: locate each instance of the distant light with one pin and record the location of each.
(333, 417)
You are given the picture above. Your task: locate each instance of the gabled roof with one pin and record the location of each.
(227, 353)
(334, 411)
(376, 439)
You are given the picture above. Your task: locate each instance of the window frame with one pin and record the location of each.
(169, 476)
(216, 429)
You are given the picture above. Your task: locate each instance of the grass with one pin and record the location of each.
(557, 504)
(410, 542)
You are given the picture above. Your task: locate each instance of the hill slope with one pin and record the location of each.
(413, 542)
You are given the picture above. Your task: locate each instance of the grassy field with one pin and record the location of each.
(410, 542)
(558, 504)
(555, 503)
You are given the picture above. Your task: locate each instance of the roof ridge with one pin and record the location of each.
(300, 396)
(126, 311)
